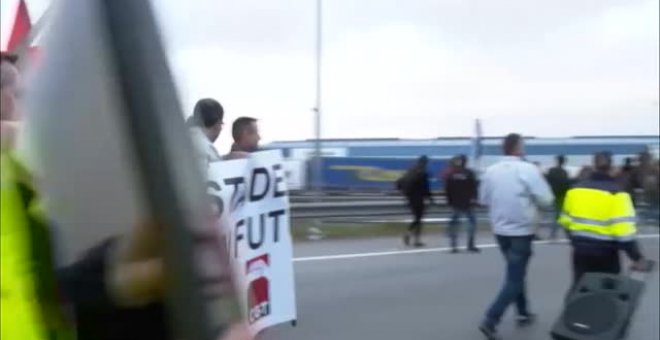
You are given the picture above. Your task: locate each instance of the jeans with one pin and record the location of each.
(455, 222)
(517, 251)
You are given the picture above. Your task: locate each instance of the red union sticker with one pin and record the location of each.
(258, 289)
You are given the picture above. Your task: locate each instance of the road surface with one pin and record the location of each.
(369, 289)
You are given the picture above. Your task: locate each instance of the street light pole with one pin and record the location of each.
(317, 173)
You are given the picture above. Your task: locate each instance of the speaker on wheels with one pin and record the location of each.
(600, 307)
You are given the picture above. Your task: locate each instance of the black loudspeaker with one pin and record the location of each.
(599, 308)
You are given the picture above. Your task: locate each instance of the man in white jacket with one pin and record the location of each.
(205, 126)
(513, 190)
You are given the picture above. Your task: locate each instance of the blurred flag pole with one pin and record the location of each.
(477, 148)
(317, 170)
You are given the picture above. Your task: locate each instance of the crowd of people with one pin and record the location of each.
(595, 209)
(639, 177)
(118, 287)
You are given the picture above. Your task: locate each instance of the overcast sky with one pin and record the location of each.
(421, 68)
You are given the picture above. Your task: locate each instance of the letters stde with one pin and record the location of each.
(258, 229)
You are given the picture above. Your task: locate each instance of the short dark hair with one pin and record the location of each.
(463, 158)
(603, 161)
(207, 112)
(239, 126)
(561, 159)
(510, 143)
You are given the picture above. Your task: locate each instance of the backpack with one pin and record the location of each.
(404, 184)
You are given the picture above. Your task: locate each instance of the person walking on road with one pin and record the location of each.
(461, 191)
(560, 182)
(600, 218)
(513, 190)
(416, 188)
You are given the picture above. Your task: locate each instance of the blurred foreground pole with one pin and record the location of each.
(151, 116)
(317, 170)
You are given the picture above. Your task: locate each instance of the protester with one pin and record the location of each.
(600, 218)
(513, 189)
(116, 289)
(626, 178)
(245, 133)
(205, 126)
(416, 188)
(560, 182)
(461, 191)
(30, 306)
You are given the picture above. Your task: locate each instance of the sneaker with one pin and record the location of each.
(419, 244)
(406, 239)
(526, 320)
(490, 332)
(474, 250)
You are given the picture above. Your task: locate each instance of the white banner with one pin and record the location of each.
(253, 202)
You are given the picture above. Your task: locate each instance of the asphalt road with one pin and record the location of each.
(368, 289)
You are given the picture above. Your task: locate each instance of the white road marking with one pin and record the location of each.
(422, 251)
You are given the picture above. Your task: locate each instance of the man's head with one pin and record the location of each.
(561, 160)
(208, 115)
(246, 134)
(463, 160)
(513, 145)
(10, 88)
(456, 161)
(603, 161)
(421, 164)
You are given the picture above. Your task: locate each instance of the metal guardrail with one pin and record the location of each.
(349, 208)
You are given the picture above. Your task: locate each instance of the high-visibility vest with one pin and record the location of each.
(30, 309)
(599, 209)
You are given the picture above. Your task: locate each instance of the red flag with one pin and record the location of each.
(22, 26)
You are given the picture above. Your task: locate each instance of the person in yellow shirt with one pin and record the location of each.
(30, 304)
(600, 218)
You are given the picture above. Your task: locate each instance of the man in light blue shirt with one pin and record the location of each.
(513, 190)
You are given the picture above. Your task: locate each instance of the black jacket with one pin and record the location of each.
(415, 185)
(461, 188)
(560, 182)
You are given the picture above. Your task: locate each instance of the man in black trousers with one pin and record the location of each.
(461, 190)
(415, 186)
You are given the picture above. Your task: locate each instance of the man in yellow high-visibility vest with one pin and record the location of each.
(600, 218)
(30, 305)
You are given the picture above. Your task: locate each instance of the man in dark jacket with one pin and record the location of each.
(461, 190)
(559, 182)
(415, 186)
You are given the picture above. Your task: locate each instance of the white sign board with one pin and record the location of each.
(253, 203)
